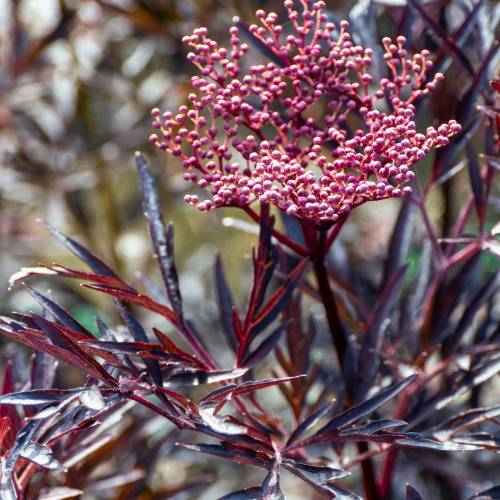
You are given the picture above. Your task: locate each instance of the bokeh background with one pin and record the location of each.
(77, 82)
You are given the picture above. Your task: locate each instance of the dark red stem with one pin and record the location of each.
(292, 245)
(319, 243)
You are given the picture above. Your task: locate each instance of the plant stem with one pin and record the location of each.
(388, 472)
(334, 324)
(368, 472)
(319, 250)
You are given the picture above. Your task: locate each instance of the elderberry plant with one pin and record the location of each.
(296, 141)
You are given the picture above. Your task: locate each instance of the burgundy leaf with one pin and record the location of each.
(56, 333)
(234, 390)
(319, 478)
(4, 429)
(400, 241)
(366, 408)
(203, 377)
(489, 494)
(94, 263)
(476, 181)
(41, 455)
(471, 311)
(139, 335)
(37, 340)
(373, 427)
(59, 493)
(370, 353)
(253, 493)
(412, 493)
(57, 311)
(236, 455)
(279, 299)
(136, 298)
(226, 304)
(265, 347)
(161, 238)
(43, 370)
(309, 422)
(171, 348)
(413, 440)
(37, 397)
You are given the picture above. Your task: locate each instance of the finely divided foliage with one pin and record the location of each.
(409, 358)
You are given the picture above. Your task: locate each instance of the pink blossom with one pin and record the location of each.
(250, 133)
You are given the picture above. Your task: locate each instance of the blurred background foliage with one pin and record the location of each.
(77, 81)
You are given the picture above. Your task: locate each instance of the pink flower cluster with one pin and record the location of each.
(306, 130)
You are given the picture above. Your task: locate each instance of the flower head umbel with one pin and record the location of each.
(254, 133)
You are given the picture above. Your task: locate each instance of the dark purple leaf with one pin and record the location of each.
(96, 264)
(138, 333)
(235, 454)
(224, 429)
(317, 473)
(226, 304)
(56, 335)
(137, 348)
(133, 297)
(473, 378)
(234, 390)
(266, 259)
(373, 427)
(412, 493)
(271, 487)
(38, 397)
(32, 338)
(450, 173)
(370, 353)
(41, 455)
(400, 241)
(278, 300)
(292, 227)
(161, 238)
(476, 181)
(413, 440)
(366, 408)
(471, 311)
(489, 494)
(269, 490)
(309, 422)
(265, 347)
(203, 377)
(23, 439)
(58, 312)
(254, 493)
(92, 398)
(43, 370)
(319, 476)
(59, 493)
